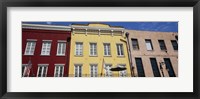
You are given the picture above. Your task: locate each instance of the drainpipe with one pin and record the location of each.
(129, 55)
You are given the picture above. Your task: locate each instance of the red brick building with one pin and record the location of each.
(46, 48)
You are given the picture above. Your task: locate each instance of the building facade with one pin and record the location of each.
(95, 49)
(153, 54)
(46, 48)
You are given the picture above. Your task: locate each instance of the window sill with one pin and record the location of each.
(28, 54)
(107, 56)
(150, 50)
(60, 55)
(44, 55)
(93, 56)
(121, 56)
(78, 55)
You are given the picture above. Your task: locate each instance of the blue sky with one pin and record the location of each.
(145, 26)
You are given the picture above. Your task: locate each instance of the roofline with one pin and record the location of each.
(46, 27)
(149, 31)
(97, 23)
(97, 28)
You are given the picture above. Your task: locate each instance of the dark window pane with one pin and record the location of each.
(174, 44)
(44, 71)
(154, 66)
(23, 67)
(40, 71)
(169, 67)
(122, 50)
(76, 71)
(135, 44)
(61, 71)
(176, 37)
(162, 45)
(118, 50)
(80, 71)
(140, 68)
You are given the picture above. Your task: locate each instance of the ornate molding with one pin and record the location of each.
(46, 27)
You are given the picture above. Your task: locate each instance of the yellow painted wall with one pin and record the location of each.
(99, 25)
(86, 59)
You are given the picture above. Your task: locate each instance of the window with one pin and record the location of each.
(78, 70)
(79, 49)
(108, 72)
(140, 68)
(61, 48)
(42, 70)
(174, 44)
(149, 45)
(107, 49)
(46, 47)
(123, 73)
(169, 67)
(176, 37)
(30, 48)
(59, 70)
(162, 45)
(135, 44)
(93, 70)
(154, 66)
(23, 69)
(120, 51)
(26, 70)
(93, 49)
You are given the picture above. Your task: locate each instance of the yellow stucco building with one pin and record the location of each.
(95, 49)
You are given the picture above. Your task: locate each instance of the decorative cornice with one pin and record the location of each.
(46, 27)
(97, 28)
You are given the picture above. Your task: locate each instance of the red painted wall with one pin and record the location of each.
(36, 59)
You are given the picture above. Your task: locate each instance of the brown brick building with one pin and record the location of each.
(153, 54)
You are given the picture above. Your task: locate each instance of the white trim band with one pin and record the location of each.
(46, 27)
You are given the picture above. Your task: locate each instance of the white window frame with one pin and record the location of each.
(79, 49)
(59, 67)
(42, 65)
(93, 49)
(121, 49)
(121, 73)
(79, 66)
(107, 50)
(108, 72)
(29, 52)
(149, 45)
(61, 43)
(93, 74)
(44, 41)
